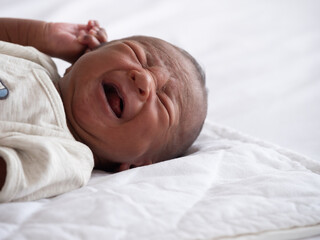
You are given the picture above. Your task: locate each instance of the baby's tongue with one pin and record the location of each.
(115, 102)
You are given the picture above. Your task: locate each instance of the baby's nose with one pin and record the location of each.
(142, 81)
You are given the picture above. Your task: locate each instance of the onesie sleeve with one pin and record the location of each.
(40, 167)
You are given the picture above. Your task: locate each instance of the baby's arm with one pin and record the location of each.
(62, 40)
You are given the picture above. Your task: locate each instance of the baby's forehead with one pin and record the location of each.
(181, 68)
(158, 52)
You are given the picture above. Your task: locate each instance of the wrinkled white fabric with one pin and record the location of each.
(229, 186)
(42, 158)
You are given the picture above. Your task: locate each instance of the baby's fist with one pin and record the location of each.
(93, 35)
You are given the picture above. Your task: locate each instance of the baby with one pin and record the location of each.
(133, 102)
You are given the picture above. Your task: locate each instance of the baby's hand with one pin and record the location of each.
(93, 35)
(69, 41)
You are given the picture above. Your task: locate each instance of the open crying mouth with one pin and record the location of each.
(114, 99)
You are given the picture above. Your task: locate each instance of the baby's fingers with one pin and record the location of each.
(102, 35)
(91, 41)
(92, 23)
(99, 33)
(94, 29)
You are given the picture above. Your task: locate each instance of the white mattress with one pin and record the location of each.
(262, 60)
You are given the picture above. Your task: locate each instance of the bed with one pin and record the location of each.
(254, 171)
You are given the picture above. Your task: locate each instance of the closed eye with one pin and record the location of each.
(132, 47)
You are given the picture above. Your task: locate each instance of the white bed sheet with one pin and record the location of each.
(262, 60)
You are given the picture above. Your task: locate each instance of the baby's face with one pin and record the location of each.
(123, 102)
